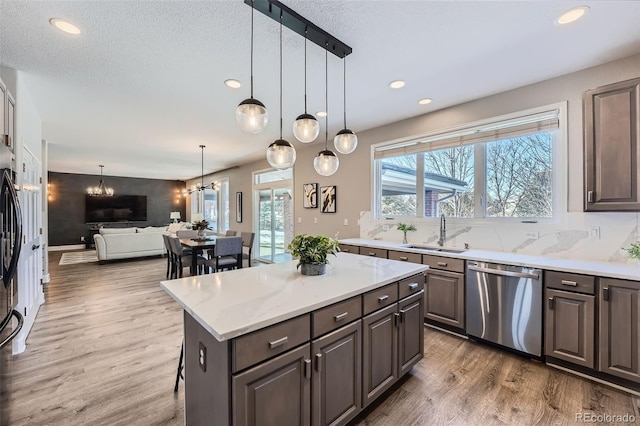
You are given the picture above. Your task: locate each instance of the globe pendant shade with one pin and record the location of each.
(306, 128)
(345, 141)
(281, 154)
(252, 116)
(326, 163)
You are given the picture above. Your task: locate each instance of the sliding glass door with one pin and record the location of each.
(274, 215)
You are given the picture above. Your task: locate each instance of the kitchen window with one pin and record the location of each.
(502, 168)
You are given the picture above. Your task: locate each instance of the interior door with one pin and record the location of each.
(30, 294)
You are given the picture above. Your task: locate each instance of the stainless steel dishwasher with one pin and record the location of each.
(504, 305)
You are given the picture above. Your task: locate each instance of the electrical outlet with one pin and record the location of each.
(299, 220)
(533, 235)
(358, 222)
(82, 239)
(202, 356)
(346, 222)
(315, 220)
(594, 233)
(385, 227)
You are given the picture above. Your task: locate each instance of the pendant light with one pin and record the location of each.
(281, 154)
(251, 114)
(306, 128)
(345, 141)
(101, 190)
(326, 162)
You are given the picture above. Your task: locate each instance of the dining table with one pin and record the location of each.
(197, 246)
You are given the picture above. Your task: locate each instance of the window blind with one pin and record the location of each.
(503, 129)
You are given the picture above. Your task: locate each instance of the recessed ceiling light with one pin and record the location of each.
(425, 101)
(65, 26)
(396, 84)
(233, 83)
(572, 15)
(321, 114)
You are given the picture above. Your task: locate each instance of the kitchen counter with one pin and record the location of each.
(603, 269)
(230, 304)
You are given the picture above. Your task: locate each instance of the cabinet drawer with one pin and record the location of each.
(410, 285)
(337, 315)
(380, 298)
(348, 248)
(570, 282)
(263, 344)
(444, 263)
(375, 252)
(405, 257)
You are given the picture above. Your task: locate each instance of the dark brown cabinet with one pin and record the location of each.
(611, 136)
(570, 327)
(393, 342)
(348, 248)
(276, 392)
(619, 331)
(444, 292)
(336, 383)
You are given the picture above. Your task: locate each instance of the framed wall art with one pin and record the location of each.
(310, 195)
(239, 207)
(328, 199)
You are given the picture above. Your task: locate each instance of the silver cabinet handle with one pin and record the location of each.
(501, 272)
(404, 258)
(442, 263)
(551, 303)
(307, 368)
(589, 196)
(372, 254)
(569, 283)
(341, 316)
(319, 362)
(605, 293)
(346, 251)
(413, 286)
(279, 342)
(383, 298)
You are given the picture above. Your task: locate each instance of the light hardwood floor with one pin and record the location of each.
(105, 347)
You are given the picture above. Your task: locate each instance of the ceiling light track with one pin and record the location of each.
(299, 24)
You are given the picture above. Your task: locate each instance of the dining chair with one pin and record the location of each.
(167, 246)
(247, 242)
(180, 256)
(227, 254)
(231, 233)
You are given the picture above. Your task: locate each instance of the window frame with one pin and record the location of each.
(559, 170)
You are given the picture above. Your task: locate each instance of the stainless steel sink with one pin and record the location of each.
(440, 249)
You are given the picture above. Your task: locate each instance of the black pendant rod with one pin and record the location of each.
(326, 98)
(281, 75)
(252, 8)
(202, 166)
(305, 68)
(298, 24)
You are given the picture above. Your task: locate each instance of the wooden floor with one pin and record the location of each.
(105, 347)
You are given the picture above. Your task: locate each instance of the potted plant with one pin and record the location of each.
(201, 226)
(405, 228)
(312, 251)
(634, 251)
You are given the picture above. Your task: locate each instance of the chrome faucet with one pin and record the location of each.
(443, 230)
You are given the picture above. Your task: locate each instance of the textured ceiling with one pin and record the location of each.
(142, 86)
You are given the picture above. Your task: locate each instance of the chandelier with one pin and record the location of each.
(100, 190)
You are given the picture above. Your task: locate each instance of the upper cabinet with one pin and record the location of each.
(611, 134)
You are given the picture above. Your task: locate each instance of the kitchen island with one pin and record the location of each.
(262, 343)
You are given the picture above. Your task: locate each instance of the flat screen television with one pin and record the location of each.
(118, 208)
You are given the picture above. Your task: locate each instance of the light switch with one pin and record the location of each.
(299, 220)
(346, 222)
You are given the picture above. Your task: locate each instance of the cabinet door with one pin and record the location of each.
(444, 298)
(11, 121)
(336, 384)
(3, 106)
(276, 392)
(410, 332)
(570, 327)
(612, 130)
(619, 328)
(379, 352)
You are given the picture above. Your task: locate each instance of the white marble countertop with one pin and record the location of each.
(232, 303)
(625, 271)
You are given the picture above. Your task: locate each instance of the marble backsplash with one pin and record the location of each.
(584, 236)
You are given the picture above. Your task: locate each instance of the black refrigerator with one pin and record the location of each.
(10, 244)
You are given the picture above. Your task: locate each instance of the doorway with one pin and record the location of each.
(273, 192)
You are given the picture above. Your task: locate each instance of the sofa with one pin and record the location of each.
(125, 243)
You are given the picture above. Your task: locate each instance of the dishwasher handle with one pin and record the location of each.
(504, 273)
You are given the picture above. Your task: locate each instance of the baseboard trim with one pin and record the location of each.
(435, 327)
(65, 248)
(595, 379)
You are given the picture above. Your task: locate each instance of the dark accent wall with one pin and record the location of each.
(66, 194)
